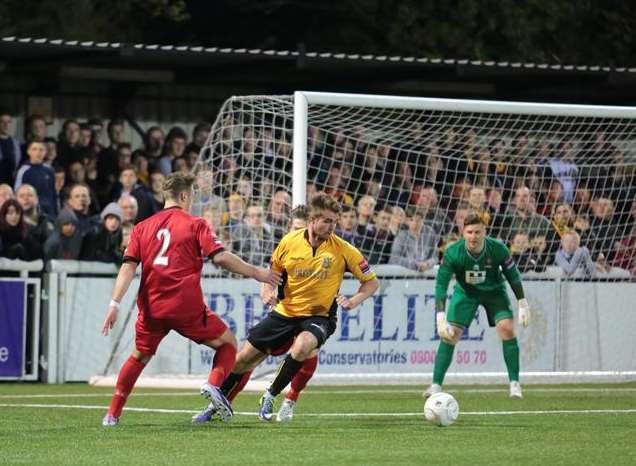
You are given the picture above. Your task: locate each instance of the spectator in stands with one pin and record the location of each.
(366, 212)
(17, 240)
(60, 183)
(173, 149)
(34, 130)
(604, 230)
(97, 127)
(40, 224)
(522, 217)
(77, 175)
(127, 183)
(575, 261)
(582, 200)
(541, 254)
(235, 211)
(79, 201)
(200, 135)
(398, 220)
(50, 159)
(205, 192)
(85, 136)
(477, 202)
(564, 169)
(213, 217)
(455, 234)
(6, 193)
(253, 239)
(552, 198)
(333, 185)
(10, 154)
(347, 226)
(495, 208)
(522, 252)
(129, 208)
(126, 230)
(108, 160)
(180, 164)
(153, 143)
(428, 204)
(41, 177)
(382, 240)
(415, 248)
(245, 188)
(562, 222)
(68, 147)
(278, 215)
(142, 167)
(150, 200)
(103, 245)
(66, 241)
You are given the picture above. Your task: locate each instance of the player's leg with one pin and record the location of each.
(298, 383)
(460, 314)
(208, 329)
(500, 315)
(247, 359)
(314, 332)
(148, 335)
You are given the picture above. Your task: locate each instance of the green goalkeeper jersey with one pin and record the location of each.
(476, 275)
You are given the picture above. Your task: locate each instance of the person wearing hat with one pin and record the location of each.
(103, 245)
(66, 241)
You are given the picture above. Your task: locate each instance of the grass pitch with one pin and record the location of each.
(564, 424)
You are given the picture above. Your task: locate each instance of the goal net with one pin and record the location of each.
(556, 183)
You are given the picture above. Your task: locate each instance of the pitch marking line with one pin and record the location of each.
(243, 413)
(527, 389)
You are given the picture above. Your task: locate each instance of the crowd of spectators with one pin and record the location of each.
(568, 204)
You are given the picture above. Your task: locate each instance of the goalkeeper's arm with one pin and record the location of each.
(513, 276)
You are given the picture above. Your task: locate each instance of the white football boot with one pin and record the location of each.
(515, 390)
(434, 388)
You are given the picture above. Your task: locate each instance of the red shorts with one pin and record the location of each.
(203, 327)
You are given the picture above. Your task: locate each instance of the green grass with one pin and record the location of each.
(44, 435)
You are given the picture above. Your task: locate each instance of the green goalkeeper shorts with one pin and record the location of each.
(462, 308)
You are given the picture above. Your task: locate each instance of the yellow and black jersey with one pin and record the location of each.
(312, 277)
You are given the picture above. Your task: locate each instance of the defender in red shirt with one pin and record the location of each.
(171, 246)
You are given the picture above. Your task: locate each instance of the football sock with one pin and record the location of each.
(287, 370)
(302, 377)
(230, 383)
(511, 356)
(222, 365)
(238, 387)
(443, 360)
(125, 382)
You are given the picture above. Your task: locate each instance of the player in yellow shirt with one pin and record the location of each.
(313, 262)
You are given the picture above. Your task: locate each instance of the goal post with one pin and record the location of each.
(555, 182)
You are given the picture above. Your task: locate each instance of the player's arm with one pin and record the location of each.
(233, 263)
(367, 288)
(444, 276)
(511, 272)
(359, 267)
(122, 283)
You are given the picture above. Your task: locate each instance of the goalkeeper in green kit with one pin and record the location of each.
(477, 261)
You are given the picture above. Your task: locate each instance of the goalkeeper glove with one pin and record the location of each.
(443, 329)
(524, 312)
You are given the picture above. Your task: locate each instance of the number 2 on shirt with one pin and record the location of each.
(163, 235)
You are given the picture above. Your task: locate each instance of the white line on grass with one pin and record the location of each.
(526, 389)
(242, 413)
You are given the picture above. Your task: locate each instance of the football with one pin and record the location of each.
(441, 409)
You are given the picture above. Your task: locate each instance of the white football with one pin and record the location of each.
(441, 409)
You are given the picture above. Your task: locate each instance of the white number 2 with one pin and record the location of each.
(163, 235)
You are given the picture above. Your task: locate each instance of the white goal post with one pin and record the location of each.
(555, 182)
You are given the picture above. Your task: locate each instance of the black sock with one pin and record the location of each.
(286, 372)
(230, 382)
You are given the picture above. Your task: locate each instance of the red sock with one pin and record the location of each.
(302, 377)
(125, 382)
(222, 364)
(238, 388)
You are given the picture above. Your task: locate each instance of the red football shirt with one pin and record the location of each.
(171, 246)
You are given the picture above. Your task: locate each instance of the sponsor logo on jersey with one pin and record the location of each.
(327, 262)
(364, 266)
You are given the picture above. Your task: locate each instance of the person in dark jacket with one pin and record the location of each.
(17, 241)
(40, 176)
(41, 225)
(103, 245)
(66, 240)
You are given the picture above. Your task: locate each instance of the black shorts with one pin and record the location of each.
(275, 330)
